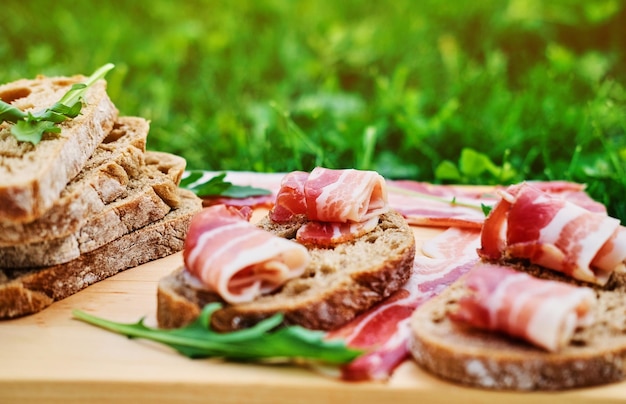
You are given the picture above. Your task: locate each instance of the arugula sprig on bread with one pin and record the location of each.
(31, 126)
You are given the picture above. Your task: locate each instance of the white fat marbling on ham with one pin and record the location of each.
(543, 312)
(549, 231)
(611, 255)
(236, 259)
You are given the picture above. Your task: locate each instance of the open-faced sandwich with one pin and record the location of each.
(544, 308)
(329, 249)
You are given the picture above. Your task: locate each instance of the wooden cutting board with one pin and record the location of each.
(50, 357)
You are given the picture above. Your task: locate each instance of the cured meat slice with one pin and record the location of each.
(326, 234)
(325, 195)
(339, 205)
(425, 204)
(290, 200)
(216, 238)
(383, 331)
(543, 312)
(345, 195)
(552, 232)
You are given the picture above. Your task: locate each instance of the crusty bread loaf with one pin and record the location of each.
(103, 179)
(27, 291)
(141, 205)
(338, 284)
(32, 176)
(595, 355)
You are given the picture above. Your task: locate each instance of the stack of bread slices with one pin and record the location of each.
(83, 204)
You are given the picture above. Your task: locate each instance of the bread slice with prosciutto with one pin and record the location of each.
(339, 273)
(544, 309)
(477, 356)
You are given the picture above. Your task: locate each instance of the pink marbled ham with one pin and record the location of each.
(543, 312)
(552, 232)
(340, 205)
(230, 256)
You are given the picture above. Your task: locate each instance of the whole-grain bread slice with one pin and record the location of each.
(33, 176)
(465, 355)
(119, 158)
(338, 284)
(149, 197)
(27, 291)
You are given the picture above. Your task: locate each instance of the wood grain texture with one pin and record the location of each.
(51, 358)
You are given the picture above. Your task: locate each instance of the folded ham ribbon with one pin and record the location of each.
(549, 231)
(339, 204)
(239, 261)
(543, 312)
(383, 331)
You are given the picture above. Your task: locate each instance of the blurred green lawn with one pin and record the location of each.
(494, 91)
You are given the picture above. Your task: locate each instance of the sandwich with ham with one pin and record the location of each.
(329, 249)
(543, 308)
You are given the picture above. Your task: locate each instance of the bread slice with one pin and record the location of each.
(338, 284)
(33, 176)
(142, 205)
(595, 355)
(104, 178)
(28, 291)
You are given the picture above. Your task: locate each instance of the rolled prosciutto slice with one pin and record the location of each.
(344, 195)
(528, 223)
(543, 312)
(339, 204)
(237, 260)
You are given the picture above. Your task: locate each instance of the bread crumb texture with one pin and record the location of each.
(596, 354)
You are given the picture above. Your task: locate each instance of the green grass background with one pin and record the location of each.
(491, 91)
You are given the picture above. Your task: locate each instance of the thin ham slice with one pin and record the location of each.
(339, 205)
(290, 200)
(336, 196)
(424, 204)
(552, 232)
(345, 195)
(383, 331)
(326, 234)
(237, 260)
(543, 312)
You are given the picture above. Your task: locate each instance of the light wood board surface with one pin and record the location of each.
(49, 357)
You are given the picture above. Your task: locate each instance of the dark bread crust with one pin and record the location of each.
(27, 291)
(596, 355)
(338, 284)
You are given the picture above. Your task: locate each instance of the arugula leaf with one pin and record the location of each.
(486, 209)
(10, 113)
(262, 342)
(216, 186)
(30, 127)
